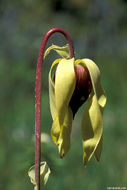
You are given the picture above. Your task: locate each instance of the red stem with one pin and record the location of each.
(38, 97)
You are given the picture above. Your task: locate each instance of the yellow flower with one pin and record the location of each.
(74, 82)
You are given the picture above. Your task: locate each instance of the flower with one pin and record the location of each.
(74, 82)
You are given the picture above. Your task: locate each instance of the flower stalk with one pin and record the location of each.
(38, 96)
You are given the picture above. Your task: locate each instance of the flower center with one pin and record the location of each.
(82, 89)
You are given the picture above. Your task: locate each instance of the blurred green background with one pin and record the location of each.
(99, 32)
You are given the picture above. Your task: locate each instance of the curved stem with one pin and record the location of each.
(38, 97)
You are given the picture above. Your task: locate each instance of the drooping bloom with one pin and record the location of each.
(72, 83)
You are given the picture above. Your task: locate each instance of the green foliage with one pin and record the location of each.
(98, 29)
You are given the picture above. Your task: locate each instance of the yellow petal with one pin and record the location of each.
(44, 174)
(61, 134)
(52, 91)
(64, 140)
(64, 86)
(98, 149)
(62, 51)
(55, 130)
(62, 118)
(92, 124)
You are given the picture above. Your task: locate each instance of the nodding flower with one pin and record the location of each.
(72, 84)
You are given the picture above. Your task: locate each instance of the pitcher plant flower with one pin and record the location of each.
(76, 81)
(71, 83)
